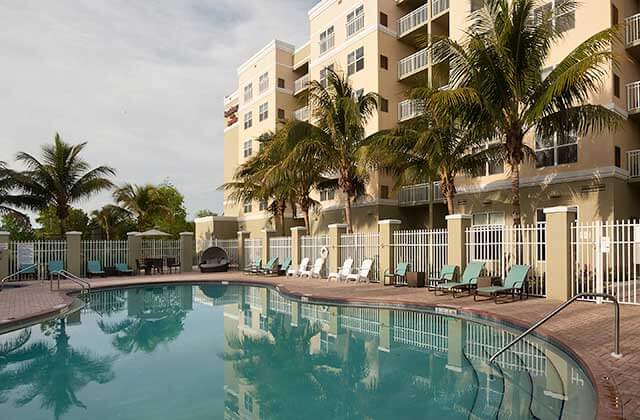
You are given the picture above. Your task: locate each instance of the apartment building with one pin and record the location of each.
(381, 46)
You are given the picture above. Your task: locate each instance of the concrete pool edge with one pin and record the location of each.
(609, 405)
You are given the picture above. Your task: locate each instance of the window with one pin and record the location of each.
(248, 92)
(384, 19)
(384, 105)
(355, 21)
(264, 111)
(491, 167)
(384, 192)
(247, 147)
(247, 208)
(358, 94)
(327, 40)
(264, 83)
(263, 205)
(563, 17)
(246, 315)
(617, 156)
(488, 218)
(324, 75)
(248, 120)
(476, 5)
(281, 83)
(384, 62)
(281, 115)
(616, 85)
(615, 18)
(327, 194)
(264, 322)
(559, 149)
(355, 61)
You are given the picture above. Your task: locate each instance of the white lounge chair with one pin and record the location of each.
(304, 264)
(343, 271)
(363, 273)
(315, 271)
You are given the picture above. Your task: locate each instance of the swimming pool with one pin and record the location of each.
(240, 352)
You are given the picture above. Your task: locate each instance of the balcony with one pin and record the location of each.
(633, 99)
(302, 114)
(419, 194)
(409, 25)
(355, 25)
(413, 64)
(439, 7)
(409, 109)
(632, 35)
(633, 164)
(301, 84)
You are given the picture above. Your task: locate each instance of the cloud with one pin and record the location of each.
(143, 82)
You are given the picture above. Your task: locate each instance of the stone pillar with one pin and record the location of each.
(74, 253)
(242, 236)
(457, 225)
(134, 249)
(186, 252)
(4, 254)
(296, 244)
(335, 259)
(559, 220)
(385, 253)
(266, 234)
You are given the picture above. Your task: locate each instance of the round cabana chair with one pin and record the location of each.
(214, 260)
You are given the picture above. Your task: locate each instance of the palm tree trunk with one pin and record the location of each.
(515, 192)
(347, 214)
(449, 192)
(307, 224)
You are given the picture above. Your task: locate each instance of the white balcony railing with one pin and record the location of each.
(439, 6)
(413, 20)
(632, 30)
(301, 84)
(413, 64)
(409, 109)
(633, 163)
(301, 114)
(633, 97)
(355, 25)
(414, 195)
(437, 193)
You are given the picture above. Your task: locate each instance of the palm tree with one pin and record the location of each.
(142, 202)
(60, 179)
(497, 78)
(108, 219)
(8, 201)
(338, 135)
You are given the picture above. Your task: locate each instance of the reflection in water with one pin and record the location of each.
(209, 352)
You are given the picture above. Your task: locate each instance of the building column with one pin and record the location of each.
(186, 252)
(296, 244)
(558, 236)
(266, 234)
(134, 249)
(457, 225)
(335, 233)
(4, 254)
(74, 253)
(385, 252)
(242, 237)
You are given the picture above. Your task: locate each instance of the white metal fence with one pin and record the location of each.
(501, 247)
(161, 248)
(439, 6)
(280, 247)
(230, 246)
(409, 108)
(361, 246)
(632, 30)
(413, 20)
(108, 253)
(37, 253)
(424, 250)
(422, 330)
(252, 251)
(605, 259)
(413, 64)
(311, 246)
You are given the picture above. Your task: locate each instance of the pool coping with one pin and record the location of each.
(609, 404)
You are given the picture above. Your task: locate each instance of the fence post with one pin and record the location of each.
(457, 225)
(335, 232)
(385, 250)
(559, 220)
(134, 249)
(266, 235)
(242, 236)
(296, 244)
(186, 252)
(74, 253)
(4, 254)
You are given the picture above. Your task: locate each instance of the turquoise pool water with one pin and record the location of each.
(231, 352)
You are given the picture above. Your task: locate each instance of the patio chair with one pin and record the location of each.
(123, 269)
(28, 270)
(363, 273)
(467, 283)
(173, 263)
(55, 267)
(254, 266)
(304, 264)
(315, 270)
(399, 273)
(448, 274)
(94, 268)
(343, 271)
(271, 267)
(284, 268)
(516, 281)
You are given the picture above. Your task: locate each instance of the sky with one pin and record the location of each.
(141, 81)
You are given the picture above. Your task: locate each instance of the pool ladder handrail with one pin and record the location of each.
(84, 284)
(616, 332)
(16, 274)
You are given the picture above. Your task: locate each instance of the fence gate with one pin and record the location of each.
(606, 258)
(252, 251)
(361, 246)
(280, 247)
(424, 250)
(311, 246)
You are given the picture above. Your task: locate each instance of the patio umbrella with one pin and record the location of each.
(153, 233)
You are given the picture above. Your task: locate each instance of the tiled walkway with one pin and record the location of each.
(586, 328)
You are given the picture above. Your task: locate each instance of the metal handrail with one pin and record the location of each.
(616, 332)
(16, 274)
(72, 277)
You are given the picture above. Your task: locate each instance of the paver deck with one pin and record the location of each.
(585, 328)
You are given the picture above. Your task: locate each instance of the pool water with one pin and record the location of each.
(232, 352)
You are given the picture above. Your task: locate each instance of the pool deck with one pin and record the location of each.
(585, 328)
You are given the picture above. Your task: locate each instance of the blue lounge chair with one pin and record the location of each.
(254, 267)
(28, 270)
(123, 269)
(448, 273)
(94, 268)
(55, 267)
(467, 283)
(515, 282)
(399, 274)
(270, 268)
(286, 265)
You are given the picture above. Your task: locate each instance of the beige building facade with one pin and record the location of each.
(381, 46)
